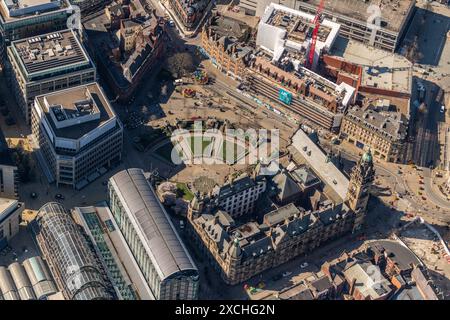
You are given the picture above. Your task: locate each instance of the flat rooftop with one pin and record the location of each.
(381, 69)
(5, 203)
(393, 12)
(50, 51)
(320, 163)
(11, 10)
(86, 100)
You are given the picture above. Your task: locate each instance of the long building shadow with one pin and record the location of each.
(427, 33)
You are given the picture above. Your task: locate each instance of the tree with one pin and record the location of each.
(23, 163)
(180, 64)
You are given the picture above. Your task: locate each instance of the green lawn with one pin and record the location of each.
(226, 147)
(205, 143)
(184, 191)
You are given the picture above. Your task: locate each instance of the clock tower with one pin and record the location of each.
(361, 178)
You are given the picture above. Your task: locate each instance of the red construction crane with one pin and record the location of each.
(316, 24)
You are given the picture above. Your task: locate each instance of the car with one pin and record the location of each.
(33, 195)
(304, 265)
(286, 274)
(442, 109)
(181, 224)
(59, 196)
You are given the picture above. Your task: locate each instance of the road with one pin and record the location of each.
(431, 193)
(410, 196)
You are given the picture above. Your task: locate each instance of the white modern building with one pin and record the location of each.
(77, 134)
(282, 28)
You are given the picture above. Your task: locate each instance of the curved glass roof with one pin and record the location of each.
(69, 253)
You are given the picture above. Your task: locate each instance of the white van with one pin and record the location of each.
(178, 82)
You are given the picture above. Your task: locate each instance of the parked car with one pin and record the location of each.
(286, 274)
(304, 265)
(59, 196)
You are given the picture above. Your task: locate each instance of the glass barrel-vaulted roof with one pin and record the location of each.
(69, 253)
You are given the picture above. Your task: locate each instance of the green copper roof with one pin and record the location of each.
(367, 156)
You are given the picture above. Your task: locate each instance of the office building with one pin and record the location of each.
(77, 133)
(158, 249)
(73, 263)
(47, 63)
(10, 218)
(21, 19)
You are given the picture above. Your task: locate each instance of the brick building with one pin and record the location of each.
(223, 41)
